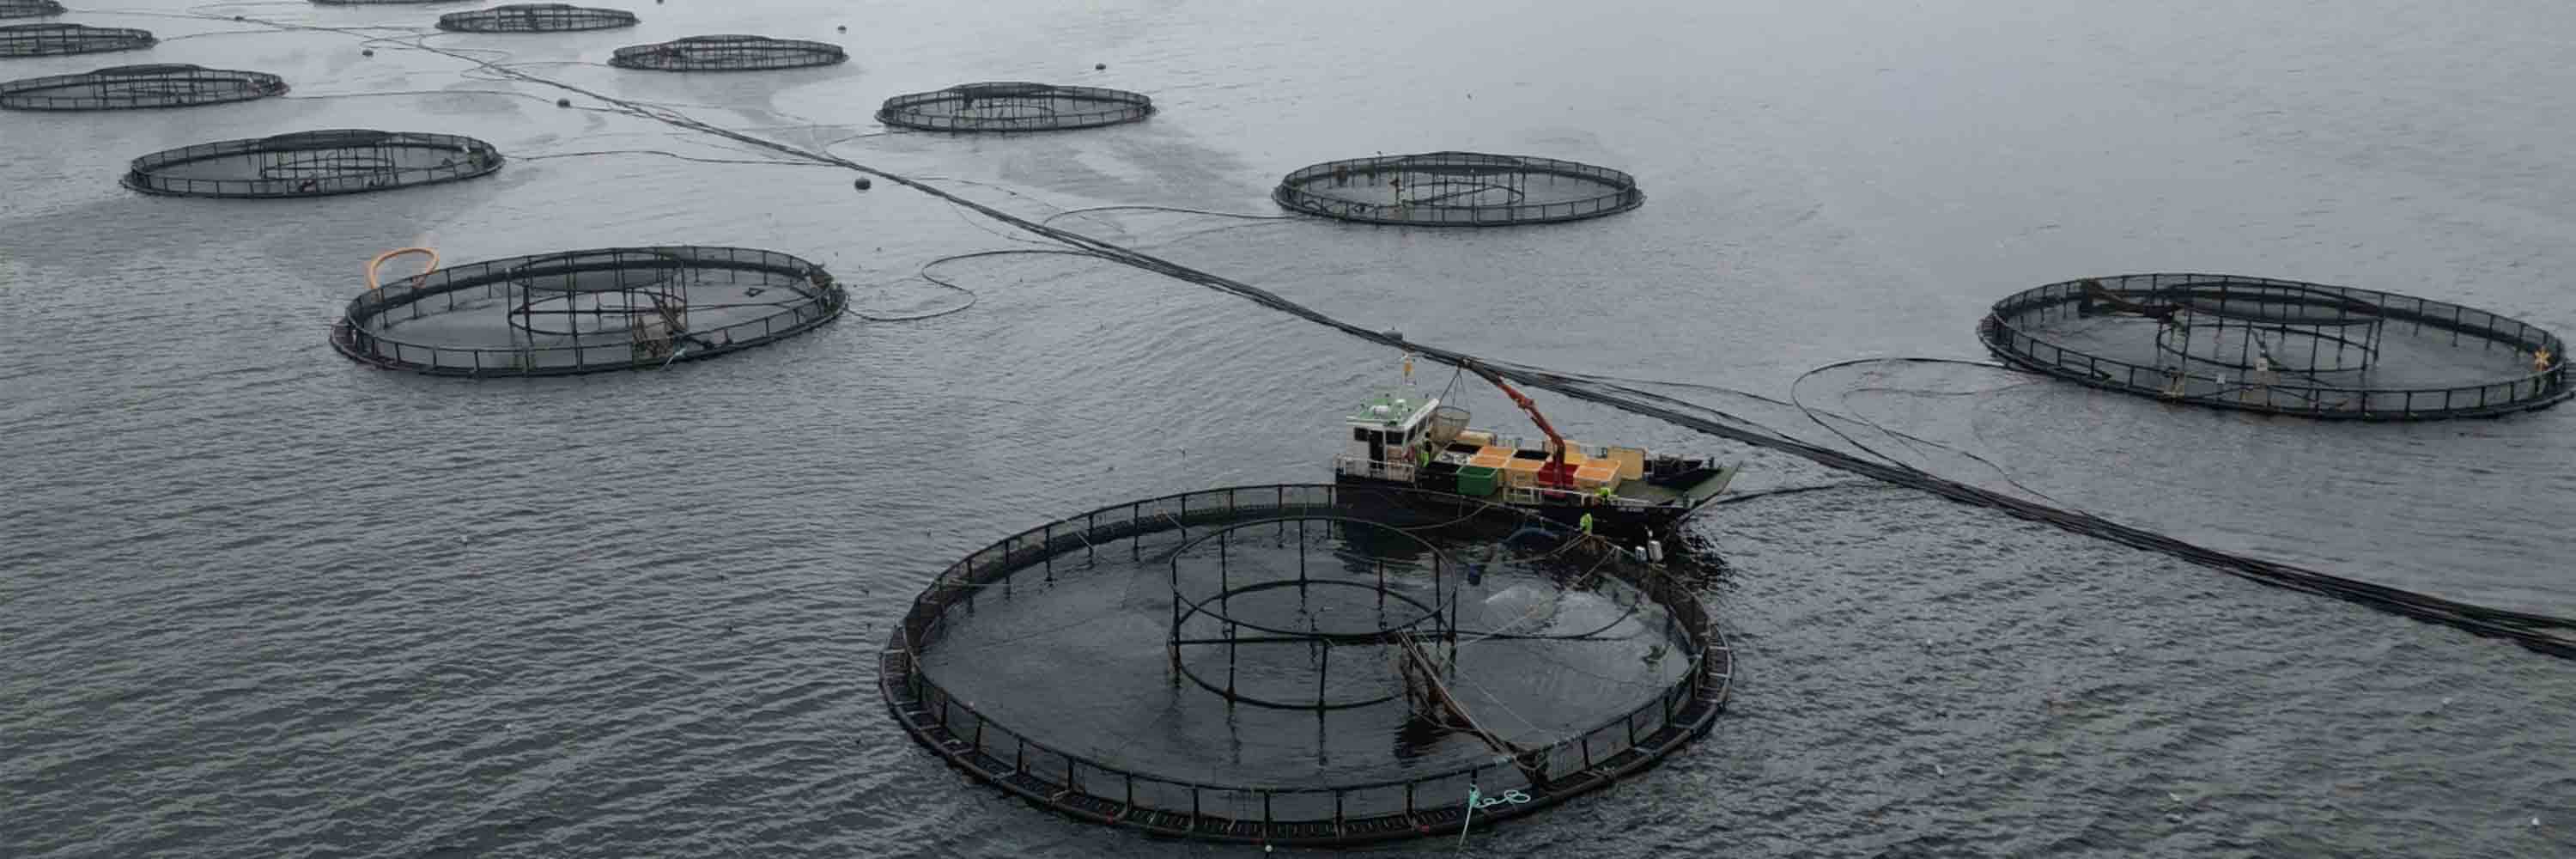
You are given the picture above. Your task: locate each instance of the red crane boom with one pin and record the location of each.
(1556, 443)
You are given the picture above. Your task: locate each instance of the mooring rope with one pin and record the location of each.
(2540, 633)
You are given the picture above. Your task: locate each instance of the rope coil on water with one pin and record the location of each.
(2539, 633)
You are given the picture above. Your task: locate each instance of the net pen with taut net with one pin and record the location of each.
(586, 311)
(138, 87)
(1014, 106)
(727, 54)
(1308, 665)
(313, 164)
(2280, 346)
(1466, 189)
(51, 39)
(29, 8)
(536, 18)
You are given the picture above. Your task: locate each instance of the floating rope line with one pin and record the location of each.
(2540, 633)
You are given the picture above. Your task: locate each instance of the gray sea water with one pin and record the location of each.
(258, 601)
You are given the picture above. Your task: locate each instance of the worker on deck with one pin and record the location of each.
(1586, 524)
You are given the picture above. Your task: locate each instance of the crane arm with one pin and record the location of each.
(1557, 442)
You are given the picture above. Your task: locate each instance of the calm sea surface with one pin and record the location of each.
(258, 601)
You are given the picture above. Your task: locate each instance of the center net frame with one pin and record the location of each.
(536, 18)
(1300, 814)
(728, 53)
(1008, 106)
(54, 39)
(139, 87)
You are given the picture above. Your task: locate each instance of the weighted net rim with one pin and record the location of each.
(27, 9)
(29, 93)
(353, 338)
(1690, 707)
(482, 159)
(55, 39)
(2509, 393)
(1117, 107)
(1292, 192)
(567, 18)
(675, 55)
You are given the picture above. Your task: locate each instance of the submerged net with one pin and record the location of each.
(727, 53)
(1014, 106)
(313, 164)
(536, 18)
(29, 8)
(134, 87)
(587, 311)
(53, 39)
(1458, 189)
(1306, 664)
(2279, 346)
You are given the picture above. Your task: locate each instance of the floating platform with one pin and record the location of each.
(313, 164)
(1304, 665)
(52, 39)
(1005, 106)
(2280, 347)
(586, 311)
(1458, 189)
(139, 87)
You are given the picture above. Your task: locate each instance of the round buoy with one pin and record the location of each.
(563, 102)
(863, 184)
(1099, 67)
(843, 28)
(367, 53)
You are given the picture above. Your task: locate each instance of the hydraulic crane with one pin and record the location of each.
(1555, 443)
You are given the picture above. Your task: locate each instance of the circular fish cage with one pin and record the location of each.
(313, 164)
(727, 54)
(2279, 346)
(54, 39)
(1014, 106)
(1465, 189)
(29, 8)
(1304, 665)
(536, 18)
(137, 87)
(586, 311)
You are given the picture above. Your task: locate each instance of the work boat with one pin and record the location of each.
(1400, 437)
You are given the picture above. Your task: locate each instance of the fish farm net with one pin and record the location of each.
(29, 8)
(1304, 664)
(313, 164)
(727, 54)
(52, 39)
(1014, 106)
(536, 18)
(587, 311)
(2279, 346)
(1465, 189)
(133, 87)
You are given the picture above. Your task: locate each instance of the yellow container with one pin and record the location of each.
(1596, 477)
(1632, 462)
(1494, 450)
(1490, 460)
(1522, 473)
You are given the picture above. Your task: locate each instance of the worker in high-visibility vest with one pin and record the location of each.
(1586, 524)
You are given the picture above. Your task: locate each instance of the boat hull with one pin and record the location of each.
(1626, 526)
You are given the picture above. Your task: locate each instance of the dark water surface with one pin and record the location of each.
(257, 601)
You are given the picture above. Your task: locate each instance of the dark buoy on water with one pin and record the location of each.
(367, 53)
(1099, 67)
(863, 184)
(843, 28)
(563, 102)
